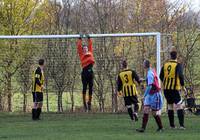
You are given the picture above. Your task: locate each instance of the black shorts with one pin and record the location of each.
(172, 96)
(87, 77)
(37, 97)
(130, 100)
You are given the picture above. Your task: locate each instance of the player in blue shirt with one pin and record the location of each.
(153, 100)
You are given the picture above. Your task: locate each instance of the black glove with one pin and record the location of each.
(88, 36)
(81, 36)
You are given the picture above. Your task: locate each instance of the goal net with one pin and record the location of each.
(19, 56)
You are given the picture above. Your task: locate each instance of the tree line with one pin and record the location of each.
(177, 21)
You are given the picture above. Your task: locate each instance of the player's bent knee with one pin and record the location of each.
(40, 105)
(179, 106)
(146, 109)
(170, 107)
(34, 105)
(129, 106)
(154, 113)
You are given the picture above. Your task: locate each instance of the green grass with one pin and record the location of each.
(89, 127)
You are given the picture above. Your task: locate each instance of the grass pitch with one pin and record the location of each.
(90, 127)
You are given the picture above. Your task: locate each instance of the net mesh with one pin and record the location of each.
(62, 71)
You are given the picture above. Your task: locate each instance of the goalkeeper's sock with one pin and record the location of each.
(84, 98)
(90, 99)
(89, 102)
(84, 102)
(180, 114)
(158, 121)
(171, 117)
(130, 112)
(89, 106)
(145, 121)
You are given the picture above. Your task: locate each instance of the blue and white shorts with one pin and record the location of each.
(155, 101)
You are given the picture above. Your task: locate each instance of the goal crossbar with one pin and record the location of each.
(155, 34)
(77, 36)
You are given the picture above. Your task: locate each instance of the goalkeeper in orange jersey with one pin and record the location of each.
(127, 79)
(87, 61)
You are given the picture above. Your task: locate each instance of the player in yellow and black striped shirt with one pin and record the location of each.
(173, 81)
(37, 90)
(127, 79)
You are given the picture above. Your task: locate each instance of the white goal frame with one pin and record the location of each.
(155, 34)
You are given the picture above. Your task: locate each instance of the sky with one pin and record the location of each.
(194, 3)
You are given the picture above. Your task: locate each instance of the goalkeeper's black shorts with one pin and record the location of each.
(87, 77)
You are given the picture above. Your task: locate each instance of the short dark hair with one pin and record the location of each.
(124, 64)
(173, 55)
(173, 52)
(41, 62)
(147, 63)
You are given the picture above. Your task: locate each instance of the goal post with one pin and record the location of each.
(157, 35)
(19, 55)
